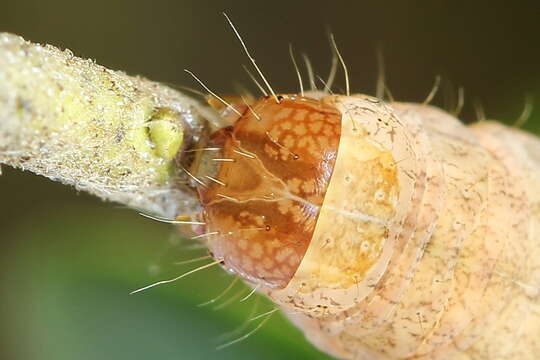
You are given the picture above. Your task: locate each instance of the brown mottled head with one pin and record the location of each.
(262, 203)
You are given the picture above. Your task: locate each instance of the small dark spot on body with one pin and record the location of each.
(23, 104)
(119, 135)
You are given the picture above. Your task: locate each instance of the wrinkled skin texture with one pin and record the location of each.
(425, 244)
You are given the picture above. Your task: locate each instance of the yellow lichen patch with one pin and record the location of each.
(165, 134)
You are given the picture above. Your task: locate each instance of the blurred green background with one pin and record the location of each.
(68, 261)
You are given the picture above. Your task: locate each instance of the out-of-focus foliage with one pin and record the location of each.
(66, 295)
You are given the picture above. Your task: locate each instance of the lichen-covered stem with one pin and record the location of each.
(112, 135)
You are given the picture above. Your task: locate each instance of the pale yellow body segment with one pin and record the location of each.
(427, 245)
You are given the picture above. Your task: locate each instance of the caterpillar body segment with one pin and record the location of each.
(396, 233)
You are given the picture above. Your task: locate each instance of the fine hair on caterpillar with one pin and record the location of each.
(384, 230)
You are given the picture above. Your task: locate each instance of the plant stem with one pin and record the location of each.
(109, 134)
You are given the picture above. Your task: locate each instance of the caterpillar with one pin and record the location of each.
(418, 241)
(391, 230)
(385, 230)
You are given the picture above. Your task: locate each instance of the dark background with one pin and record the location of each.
(69, 261)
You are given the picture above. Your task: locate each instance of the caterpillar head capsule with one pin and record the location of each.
(262, 201)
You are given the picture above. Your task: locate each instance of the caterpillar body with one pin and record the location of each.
(384, 230)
